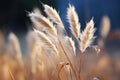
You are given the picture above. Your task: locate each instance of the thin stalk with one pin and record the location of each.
(68, 59)
(11, 75)
(81, 62)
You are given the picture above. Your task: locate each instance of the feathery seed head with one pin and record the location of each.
(87, 36)
(45, 41)
(73, 21)
(42, 22)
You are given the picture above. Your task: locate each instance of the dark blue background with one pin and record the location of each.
(14, 18)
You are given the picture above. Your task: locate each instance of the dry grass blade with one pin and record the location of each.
(87, 36)
(59, 68)
(71, 44)
(68, 58)
(46, 41)
(43, 23)
(73, 21)
(12, 77)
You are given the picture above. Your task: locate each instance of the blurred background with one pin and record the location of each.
(13, 15)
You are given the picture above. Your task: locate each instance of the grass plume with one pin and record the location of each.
(87, 36)
(43, 24)
(73, 21)
(46, 41)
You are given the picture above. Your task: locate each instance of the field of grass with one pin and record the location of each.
(52, 54)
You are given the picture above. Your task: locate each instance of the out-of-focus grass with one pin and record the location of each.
(52, 57)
